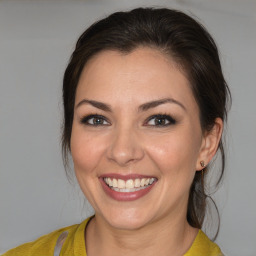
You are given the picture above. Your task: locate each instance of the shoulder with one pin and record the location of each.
(45, 245)
(202, 246)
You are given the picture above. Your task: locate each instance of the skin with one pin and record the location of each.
(127, 142)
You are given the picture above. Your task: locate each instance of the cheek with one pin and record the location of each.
(85, 150)
(175, 153)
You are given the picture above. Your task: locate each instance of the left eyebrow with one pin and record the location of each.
(155, 103)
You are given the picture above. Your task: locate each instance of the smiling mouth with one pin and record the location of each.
(130, 185)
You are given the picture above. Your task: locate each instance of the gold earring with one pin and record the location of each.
(202, 164)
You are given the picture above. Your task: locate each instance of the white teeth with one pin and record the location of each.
(109, 181)
(129, 185)
(127, 189)
(137, 183)
(120, 183)
(114, 183)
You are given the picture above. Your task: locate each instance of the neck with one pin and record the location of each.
(164, 237)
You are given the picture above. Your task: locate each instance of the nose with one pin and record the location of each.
(125, 147)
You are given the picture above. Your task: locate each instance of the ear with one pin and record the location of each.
(209, 145)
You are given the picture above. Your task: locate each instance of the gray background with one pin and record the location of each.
(36, 40)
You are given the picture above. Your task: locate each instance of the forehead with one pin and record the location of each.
(141, 75)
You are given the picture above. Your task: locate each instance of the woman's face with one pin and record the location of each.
(136, 138)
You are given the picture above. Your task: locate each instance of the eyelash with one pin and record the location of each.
(85, 120)
(171, 121)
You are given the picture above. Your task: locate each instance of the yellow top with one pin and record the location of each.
(75, 244)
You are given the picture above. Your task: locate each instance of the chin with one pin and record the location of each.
(127, 220)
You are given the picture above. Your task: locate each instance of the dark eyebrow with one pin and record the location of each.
(96, 104)
(155, 103)
(143, 107)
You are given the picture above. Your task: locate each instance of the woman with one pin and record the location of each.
(144, 107)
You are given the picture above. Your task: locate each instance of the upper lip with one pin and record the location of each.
(125, 177)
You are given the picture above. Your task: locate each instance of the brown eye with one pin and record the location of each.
(160, 120)
(94, 120)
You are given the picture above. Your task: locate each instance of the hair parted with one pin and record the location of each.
(176, 35)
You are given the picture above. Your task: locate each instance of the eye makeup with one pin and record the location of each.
(94, 120)
(160, 120)
(157, 120)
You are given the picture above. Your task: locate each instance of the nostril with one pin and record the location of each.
(125, 149)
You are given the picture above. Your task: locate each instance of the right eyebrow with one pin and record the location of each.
(96, 104)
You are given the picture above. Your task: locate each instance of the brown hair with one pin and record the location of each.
(176, 35)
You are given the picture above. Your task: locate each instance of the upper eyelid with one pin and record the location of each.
(161, 115)
(165, 116)
(88, 117)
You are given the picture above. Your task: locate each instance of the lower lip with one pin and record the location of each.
(125, 196)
